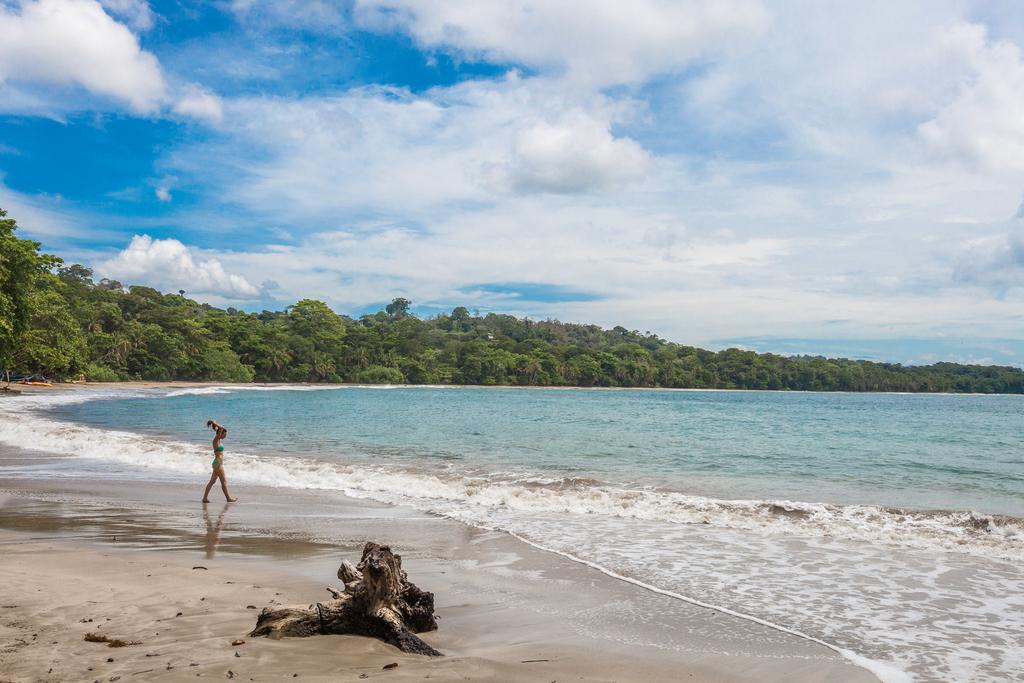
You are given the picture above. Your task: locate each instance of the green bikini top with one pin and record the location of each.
(219, 449)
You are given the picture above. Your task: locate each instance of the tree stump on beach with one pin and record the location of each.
(378, 601)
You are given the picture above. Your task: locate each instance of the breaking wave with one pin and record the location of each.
(198, 391)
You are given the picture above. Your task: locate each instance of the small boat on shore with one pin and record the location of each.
(35, 381)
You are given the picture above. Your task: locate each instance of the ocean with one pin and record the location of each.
(888, 527)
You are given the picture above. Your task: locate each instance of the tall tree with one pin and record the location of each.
(398, 308)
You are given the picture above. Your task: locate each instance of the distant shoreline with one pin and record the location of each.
(188, 384)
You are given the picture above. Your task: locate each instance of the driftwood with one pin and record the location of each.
(378, 601)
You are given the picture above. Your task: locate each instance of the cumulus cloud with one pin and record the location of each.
(169, 265)
(857, 93)
(984, 122)
(370, 148)
(74, 42)
(902, 85)
(78, 43)
(577, 156)
(199, 103)
(602, 42)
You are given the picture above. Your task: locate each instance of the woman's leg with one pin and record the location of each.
(209, 485)
(224, 484)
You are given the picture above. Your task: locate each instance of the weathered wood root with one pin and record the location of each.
(378, 601)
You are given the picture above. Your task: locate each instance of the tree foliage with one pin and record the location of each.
(27, 304)
(63, 322)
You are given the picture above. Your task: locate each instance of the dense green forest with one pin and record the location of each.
(55, 320)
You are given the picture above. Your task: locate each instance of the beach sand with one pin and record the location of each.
(121, 551)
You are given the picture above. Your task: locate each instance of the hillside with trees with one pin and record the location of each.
(56, 320)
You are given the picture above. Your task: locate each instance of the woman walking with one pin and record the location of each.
(218, 462)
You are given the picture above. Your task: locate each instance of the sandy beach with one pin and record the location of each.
(508, 612)
(122, 552)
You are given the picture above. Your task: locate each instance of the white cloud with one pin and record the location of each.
(163, 194)
(579, 155)
(199, 103)
(901, 86)
(984, 122)
(599, 42)
(136, 13)
(383, 147)
(74, 42)
(518, 241)
(77, 43)
(994, 261)
(169, 265)
(857, 92)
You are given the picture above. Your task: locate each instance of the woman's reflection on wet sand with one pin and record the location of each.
(213, 530)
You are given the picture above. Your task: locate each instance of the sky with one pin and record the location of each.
(798, 177)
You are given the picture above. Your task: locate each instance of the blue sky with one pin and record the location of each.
(785, 176)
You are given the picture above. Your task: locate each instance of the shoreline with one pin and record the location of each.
(199, 384)
(996, 516)
(502, 602)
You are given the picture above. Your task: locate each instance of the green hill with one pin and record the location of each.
(56, 320)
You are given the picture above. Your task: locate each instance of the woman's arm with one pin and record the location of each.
(218, 429)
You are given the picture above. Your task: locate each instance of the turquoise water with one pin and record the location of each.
(888, 527)
(922, 451)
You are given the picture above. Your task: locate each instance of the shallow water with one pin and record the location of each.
(885, 525)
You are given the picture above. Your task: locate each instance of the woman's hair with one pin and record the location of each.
(209, 423)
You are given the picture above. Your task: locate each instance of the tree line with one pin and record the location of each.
(55, 319)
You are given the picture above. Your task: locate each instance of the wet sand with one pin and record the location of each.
(121, 551)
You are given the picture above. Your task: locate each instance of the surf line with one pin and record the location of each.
(883, 670)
